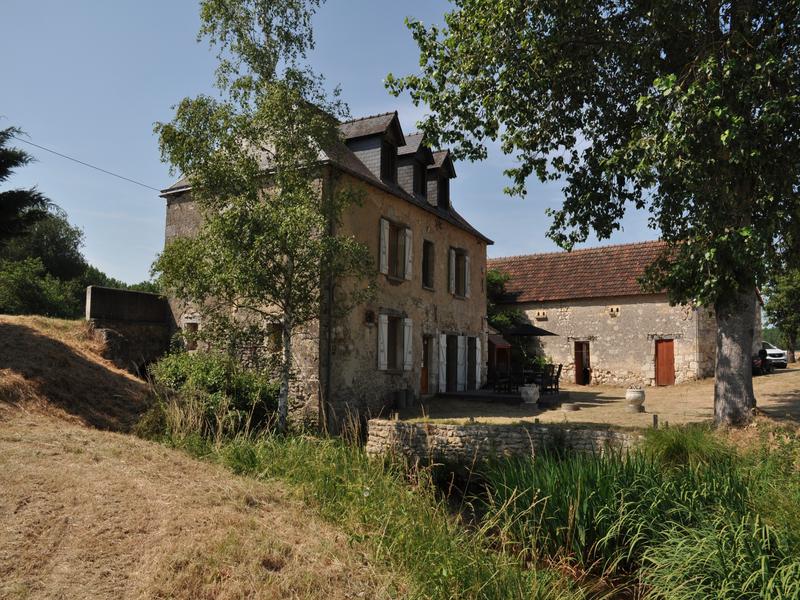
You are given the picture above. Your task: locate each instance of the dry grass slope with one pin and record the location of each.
(93, 514)
(54, 365)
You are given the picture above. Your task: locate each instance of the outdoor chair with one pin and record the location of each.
(554, 379)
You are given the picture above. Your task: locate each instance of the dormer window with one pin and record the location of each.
(443, 193)
(420, 180)
(388, 162)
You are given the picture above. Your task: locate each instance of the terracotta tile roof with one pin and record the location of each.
(588, 273)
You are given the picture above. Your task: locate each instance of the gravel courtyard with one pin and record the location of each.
(778, 397)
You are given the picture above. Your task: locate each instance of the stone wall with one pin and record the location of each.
(133, 326)
(468, 444)
(622, 343)
(356, 382)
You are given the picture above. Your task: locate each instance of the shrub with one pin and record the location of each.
(689, 444)
(208, 394)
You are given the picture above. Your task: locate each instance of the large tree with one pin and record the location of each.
(267, 254)
(19, 208)
(688, 109)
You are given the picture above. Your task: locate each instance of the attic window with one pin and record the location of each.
(420, 181)
(443, 194)
(388, 162)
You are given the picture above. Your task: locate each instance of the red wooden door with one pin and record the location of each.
(665, 362)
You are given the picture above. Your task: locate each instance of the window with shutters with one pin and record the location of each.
(459, 273)
(388, 162)
(397, 241)
(395, 250)
(427, 264)
(394, 344)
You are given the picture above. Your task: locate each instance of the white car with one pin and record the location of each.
(777, 357)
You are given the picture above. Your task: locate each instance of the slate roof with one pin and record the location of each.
(343, 158)
(441, 157)
(605, 271)
(372, 125)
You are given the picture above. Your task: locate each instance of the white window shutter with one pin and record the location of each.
(408, 332)
(384, 249)
(466, 276)
(383, 338)
(442, 365)
(478, 365)
(409, 253)
(451, 286)
(461, 371)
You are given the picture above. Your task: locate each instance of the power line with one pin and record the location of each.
(85, 164)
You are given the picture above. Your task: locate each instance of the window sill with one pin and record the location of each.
(395, 279)
(428, 288)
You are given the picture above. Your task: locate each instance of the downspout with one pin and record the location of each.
(325, 390)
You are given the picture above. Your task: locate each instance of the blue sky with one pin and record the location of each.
(89, 79)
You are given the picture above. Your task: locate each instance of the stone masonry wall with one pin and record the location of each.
(468, 444)
(622, 347)
(356, 382)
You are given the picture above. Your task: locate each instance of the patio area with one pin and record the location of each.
(778, 397)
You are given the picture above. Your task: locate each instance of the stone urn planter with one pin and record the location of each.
(635, 400)
(529, 393)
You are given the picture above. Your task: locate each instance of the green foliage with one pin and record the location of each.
(397, 514)
(727, 559)
(19, 208)
(687, 516)
(26, 288)
(499, 317)
(211, 396)
(783, 306)
(678, 107)
(267, 246)
(689, 445)
(55, 242)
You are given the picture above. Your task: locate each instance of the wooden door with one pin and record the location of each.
(665, 362)
(426, 361)
(582, 363)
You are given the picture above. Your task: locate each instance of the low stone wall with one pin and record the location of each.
(132, 326)
(467, 444)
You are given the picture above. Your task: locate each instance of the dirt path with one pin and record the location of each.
(778, 397)
(91, 514)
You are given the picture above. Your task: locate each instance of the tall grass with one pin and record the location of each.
(686, 517)
(395, 512)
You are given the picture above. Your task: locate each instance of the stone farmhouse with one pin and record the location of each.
(425, 329)
(607, 329)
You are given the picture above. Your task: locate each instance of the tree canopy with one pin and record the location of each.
(19, 208)
(687, 109)
(267, 254)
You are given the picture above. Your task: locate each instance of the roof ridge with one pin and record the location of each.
(570, 253)
(391, 112)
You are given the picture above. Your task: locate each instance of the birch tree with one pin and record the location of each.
(268, 251)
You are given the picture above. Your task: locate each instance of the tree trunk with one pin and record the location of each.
(286, 373)
(791, 345)
(734, 400)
